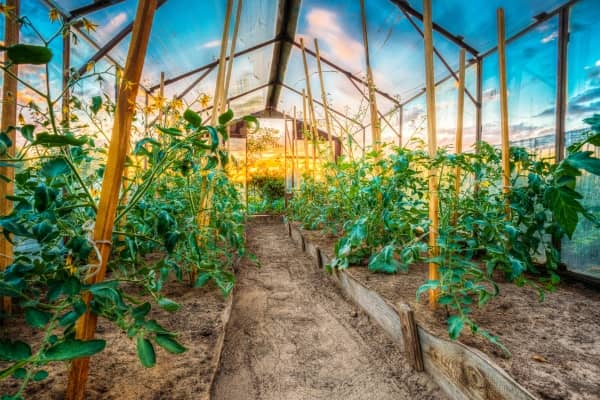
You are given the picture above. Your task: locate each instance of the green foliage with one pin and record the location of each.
(378, 207)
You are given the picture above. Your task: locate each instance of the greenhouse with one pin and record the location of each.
(300, 199)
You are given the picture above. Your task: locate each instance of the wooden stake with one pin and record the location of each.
(294, 147)
(375, 124)
(9, 118)
(304, 117)
(220, 83)
(236, 27)
(161, 97)
(311, 107)
(432, 144)
(504, 111)
(107, 208)
(285, 146)
(66, 65)
(460, 107)
(410, 336)
(324, 101)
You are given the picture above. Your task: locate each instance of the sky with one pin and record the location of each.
(181, 41)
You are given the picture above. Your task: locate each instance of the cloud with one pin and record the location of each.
(212, 44)
(115, 24)
(325, 25)
(550, 37)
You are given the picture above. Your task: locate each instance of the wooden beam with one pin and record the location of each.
(460, 109)
(348, 73)
(230, 59)
(213, 64)
(66, 75)
(561, 82)
(219, 95)
(114, 41)
(9, 118)
(90, 8)
(458, 40)
(117, 152)
(375, 123)
(432, 145)
(504, 123)
(287, 23)
(328, 126)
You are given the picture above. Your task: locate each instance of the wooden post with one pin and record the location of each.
(161, 97)
(294, 148)
(460, 107)
(66, 74)
(9, 118)
(324, 101)
(236, 27)
(432, 144)
(285, 146)
(400, 124)
(504, 111)
(375, 124)
(220, 83)
(304, 117)
(107, 208)
(311, 107)
(412, 345)
(246, 170)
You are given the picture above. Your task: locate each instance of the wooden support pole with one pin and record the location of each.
(304, 120)
(231, 58)
(66, 74)
(324, 101)
(400, 124)
(220, 83)
(285, 157)
(9, 118)
(410, 336)
(460, 108)
(294, 147)
(161, 97)
(107, 208)
(246, 170)
(311, 107)
(375, 123)
(432, 144)
(504, 110)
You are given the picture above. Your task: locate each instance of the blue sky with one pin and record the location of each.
(186, 34)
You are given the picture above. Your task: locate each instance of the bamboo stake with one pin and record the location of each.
(285, 146)
(107, 208)
(220, 84)
(294, 147)
(432, 144)
(304, 119)
(246, 170)
(324, 101)
(9, 118)
(375, 124)
(504, 110)
(66, 65)
(460, 107)
(236, 28)
(311, 107)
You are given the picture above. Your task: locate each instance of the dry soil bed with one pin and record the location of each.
(292, 336)
(555, 344)
(116, 372)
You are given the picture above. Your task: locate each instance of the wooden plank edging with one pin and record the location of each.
(220, 346)
(461, 371)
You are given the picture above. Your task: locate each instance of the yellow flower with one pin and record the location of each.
(90, 66)
(485, 184)
(159, 101)
(89, 25)
(4, 9)
(204, 100)
(177, 103)
(21, 119)
(54, 15)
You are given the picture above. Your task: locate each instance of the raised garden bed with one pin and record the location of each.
(116, 373)
(554, 344)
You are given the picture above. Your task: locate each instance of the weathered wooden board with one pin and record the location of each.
(297, 238)
(466, 373)
(461, 371)
(220, 345)
(313, 251)
(266, 218)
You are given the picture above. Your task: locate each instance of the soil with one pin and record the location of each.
(292, 335)
(117, 374)
(555, 344)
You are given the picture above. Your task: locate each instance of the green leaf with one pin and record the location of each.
(384, 261)
(36, 318)
(168, 304)
(171, 240)
(202, 279)
(169, 344)
(96, 104)
(564, 204)
(14, 351)
(214, 138)
(49, 140)
(20, 373)
(40, 375)
(455, 326)
(170, 131)
(193, 118)
(145, 352)
(55, 167)
(584, 160)
(252, 122)
(73, 348)
(226, 117)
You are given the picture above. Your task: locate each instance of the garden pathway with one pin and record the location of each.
(292, 335)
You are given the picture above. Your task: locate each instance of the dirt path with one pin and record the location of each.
(293, 336)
